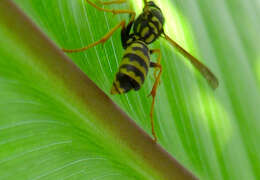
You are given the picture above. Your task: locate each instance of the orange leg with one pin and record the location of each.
(114, 11)
(155, 86)
(110, 33)
(112, 2)
(101, 41)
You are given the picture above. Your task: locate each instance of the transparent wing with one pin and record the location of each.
(208, 75)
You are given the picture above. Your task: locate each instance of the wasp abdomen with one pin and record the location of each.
(133, 68)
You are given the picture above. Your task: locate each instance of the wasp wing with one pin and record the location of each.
(208, 75)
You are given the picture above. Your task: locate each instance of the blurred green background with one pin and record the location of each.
(213, 133)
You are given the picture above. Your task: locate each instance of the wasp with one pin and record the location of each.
(136, 35)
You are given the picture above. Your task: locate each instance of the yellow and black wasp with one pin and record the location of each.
(136, 35)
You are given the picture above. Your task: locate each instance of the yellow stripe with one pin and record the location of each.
(138, 27)
(155, 30)
(129, 41)
(150, 38)
(117, 83)
(132, 75)
(142, 56)
(129, 50)
(137, 45)
(137, 37)
(145, 31)
(155, 19)
(135, 64)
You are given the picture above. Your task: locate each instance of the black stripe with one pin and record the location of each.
(156, 26)
(132, 68)
(134, 57)
(126, 82)
(156, 23)
(149, 33)
(150, 16)
(143, 50)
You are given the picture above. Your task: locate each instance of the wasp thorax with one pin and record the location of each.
(149, 25)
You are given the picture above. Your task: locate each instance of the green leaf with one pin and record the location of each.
(46, 133)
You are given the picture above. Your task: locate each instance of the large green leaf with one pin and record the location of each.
(213, 133)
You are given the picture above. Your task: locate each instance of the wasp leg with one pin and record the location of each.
(101, 41)
(157, 67)
(114, 11)
(112, 2)
(125, 30)
(158, 60)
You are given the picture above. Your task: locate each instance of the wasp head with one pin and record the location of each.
(150, 5)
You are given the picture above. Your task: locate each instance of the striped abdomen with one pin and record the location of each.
(133, 68)
(149, 25)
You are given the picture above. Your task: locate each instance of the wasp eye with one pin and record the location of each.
(150, 3)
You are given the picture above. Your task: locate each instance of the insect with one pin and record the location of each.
(136, 35)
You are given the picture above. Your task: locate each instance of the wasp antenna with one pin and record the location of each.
(207, 74)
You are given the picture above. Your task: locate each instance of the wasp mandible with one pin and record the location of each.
(136, 35)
